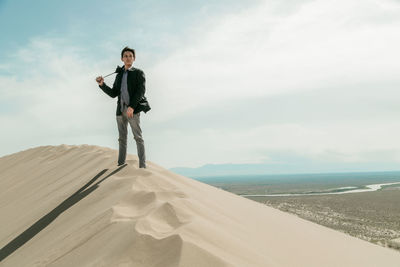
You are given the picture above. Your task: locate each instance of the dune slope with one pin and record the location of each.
(72, 206)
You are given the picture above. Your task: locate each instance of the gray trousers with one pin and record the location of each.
(134, 122)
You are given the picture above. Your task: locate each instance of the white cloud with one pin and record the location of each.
(334, 142)
(263, 51)
(52, 97)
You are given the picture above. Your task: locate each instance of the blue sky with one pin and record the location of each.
(228, 81)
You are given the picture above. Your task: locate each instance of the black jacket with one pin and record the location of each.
(136, 89)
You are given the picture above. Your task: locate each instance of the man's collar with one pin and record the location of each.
(131, 68)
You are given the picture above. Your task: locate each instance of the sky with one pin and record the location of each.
(233, 81)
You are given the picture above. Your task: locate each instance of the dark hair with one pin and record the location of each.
(128, 49)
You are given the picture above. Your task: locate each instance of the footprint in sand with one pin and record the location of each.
(155, 213)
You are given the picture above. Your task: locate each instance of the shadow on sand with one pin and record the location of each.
(39, 225)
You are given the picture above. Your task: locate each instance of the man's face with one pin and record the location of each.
(128, 58)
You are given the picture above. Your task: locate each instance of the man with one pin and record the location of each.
(129, 86)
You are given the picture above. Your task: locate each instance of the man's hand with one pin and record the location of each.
(129, 112)
(100, 80)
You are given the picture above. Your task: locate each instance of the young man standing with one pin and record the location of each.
(129, 86)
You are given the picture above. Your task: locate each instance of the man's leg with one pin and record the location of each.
(122, 123)
(137, 134)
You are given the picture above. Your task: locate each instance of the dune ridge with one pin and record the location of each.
(71, 205)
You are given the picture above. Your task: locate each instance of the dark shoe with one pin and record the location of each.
(120, 164)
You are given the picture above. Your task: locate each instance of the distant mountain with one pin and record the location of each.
(226, 169)
(281, 168)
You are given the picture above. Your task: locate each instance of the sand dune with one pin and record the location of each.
(71, 206)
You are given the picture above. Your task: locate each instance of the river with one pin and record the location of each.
(370, 188)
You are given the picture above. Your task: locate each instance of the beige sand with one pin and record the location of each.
(150, 217)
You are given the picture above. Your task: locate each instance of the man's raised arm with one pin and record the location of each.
(112, 92)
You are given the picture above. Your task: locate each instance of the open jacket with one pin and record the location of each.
(136, 89)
